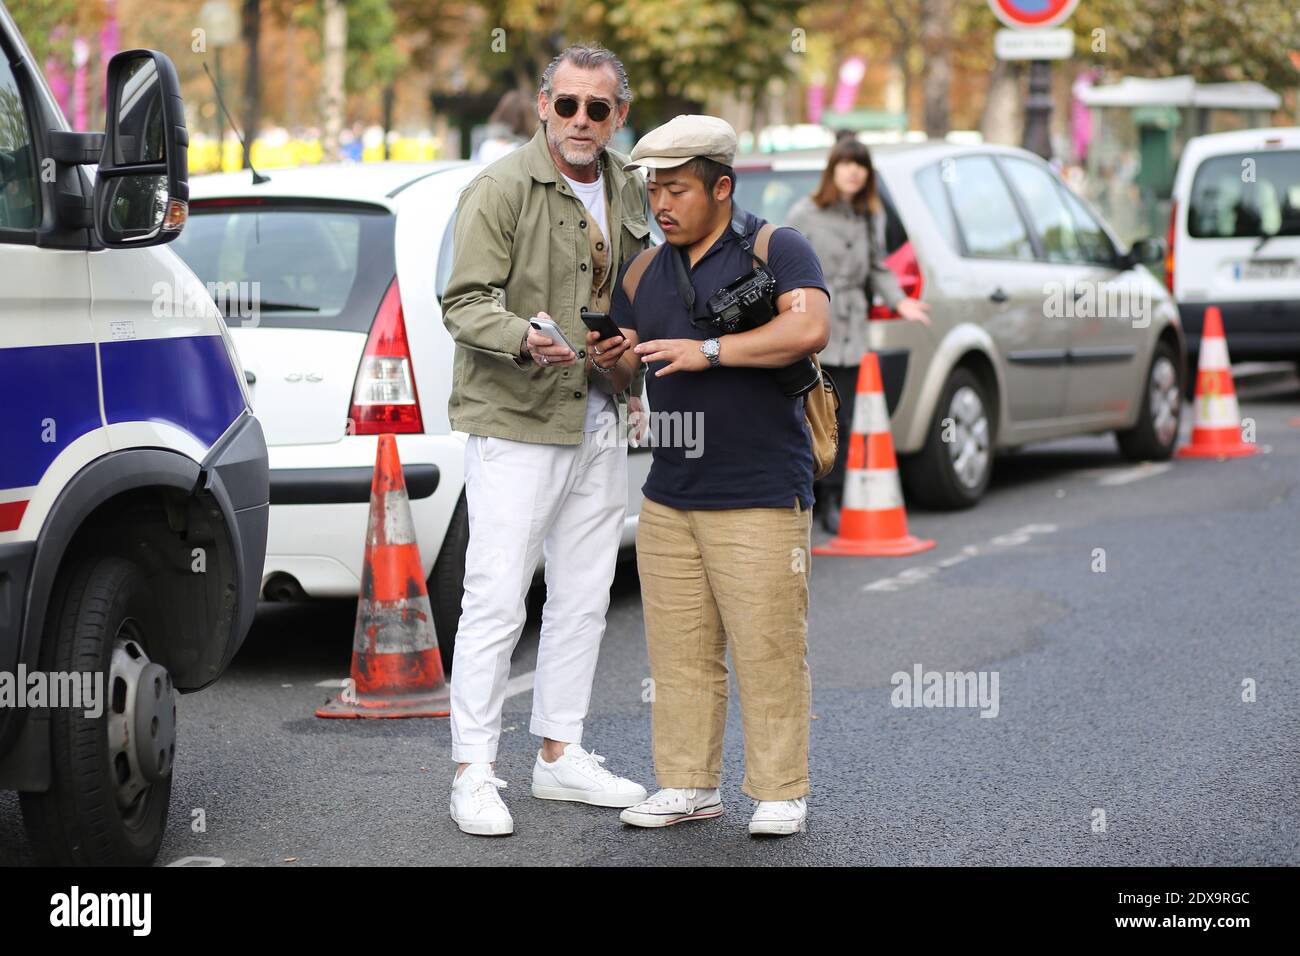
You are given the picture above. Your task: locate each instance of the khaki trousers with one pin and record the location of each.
(709, 578)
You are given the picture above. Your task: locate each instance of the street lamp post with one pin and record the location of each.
(1038, 109)
(1029, 36)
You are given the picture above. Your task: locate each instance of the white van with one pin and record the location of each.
(1234, 240)
(133, 476)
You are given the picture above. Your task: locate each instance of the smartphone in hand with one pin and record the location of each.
(552, 331)
(601, 324)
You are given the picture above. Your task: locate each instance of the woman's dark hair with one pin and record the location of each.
(517, 112)
(848, 151)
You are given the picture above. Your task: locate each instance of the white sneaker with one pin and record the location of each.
(779, 817)
(672, 805)
(579, 776)
(476, 806)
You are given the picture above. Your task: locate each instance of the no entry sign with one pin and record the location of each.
(1031, 14)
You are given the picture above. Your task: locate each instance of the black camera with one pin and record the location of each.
(746, 304)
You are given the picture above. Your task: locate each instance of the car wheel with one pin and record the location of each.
(447, 582)
(1156, 433)
(111, 774)
(953, 468)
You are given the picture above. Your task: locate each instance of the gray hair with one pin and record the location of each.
(589, 57)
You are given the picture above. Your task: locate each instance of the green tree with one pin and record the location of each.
(1211, 40)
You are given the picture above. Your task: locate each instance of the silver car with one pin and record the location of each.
(1042, 326)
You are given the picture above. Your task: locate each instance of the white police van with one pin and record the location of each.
(133, 476)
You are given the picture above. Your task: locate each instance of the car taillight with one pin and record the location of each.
(908, 272)
(384, 399)
(1169, 245)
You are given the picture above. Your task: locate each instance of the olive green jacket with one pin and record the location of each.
(520, 249)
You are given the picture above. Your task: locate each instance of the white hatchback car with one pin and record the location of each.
(331, 278)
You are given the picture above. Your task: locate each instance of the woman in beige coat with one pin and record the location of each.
(844, 221)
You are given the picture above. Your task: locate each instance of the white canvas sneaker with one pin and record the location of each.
(779, 817)
(476, 806)
(673, 805)
(578, 776)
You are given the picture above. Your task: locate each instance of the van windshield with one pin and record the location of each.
(290, 265)
(1246, 195)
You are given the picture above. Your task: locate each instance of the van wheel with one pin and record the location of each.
(954, 473)
(111, 774)
(1156, 433)
(447, 582)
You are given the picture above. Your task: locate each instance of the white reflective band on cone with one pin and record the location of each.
(1217, 411)
(1214, 354)
(398, 526)
(872, 489)
(870, 415)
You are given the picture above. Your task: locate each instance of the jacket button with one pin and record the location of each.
(581, 353)
(600, 245)
(561, 222)
(582, 224)
(577, 394)
(583, 267)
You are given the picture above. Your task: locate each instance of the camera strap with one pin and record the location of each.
(684, 287)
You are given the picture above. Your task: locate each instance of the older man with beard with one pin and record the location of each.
(540, 234)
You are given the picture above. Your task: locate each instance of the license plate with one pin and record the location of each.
(1270, 269)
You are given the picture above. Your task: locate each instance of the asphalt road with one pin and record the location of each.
(1119, 694)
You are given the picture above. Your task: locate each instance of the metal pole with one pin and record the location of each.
(1038, 109)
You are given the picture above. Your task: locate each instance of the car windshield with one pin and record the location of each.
(291, 266)
(1248, 195)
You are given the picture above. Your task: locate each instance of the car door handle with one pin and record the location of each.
(999, 296)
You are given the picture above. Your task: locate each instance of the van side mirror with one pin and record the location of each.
(142, 186)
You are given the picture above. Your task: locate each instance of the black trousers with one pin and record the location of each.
(845, 378)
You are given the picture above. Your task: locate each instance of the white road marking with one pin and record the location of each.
(199, 861)
(1137, 473)
(519, 684)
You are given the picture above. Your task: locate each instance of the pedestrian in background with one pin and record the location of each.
(512, 123)
(539, 235)
(844, 221)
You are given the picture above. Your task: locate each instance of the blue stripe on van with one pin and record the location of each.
(187, 382)
(46, 392)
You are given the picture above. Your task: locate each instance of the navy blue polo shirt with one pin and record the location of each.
(751, 447)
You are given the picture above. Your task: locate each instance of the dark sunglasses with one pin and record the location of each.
(597, 110)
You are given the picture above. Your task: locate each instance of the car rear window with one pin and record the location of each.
(1246, 195)
(291, 264)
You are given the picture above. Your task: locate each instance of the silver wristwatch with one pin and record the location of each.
(710, 349)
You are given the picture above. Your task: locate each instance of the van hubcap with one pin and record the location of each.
(969, 447)
(141, 719)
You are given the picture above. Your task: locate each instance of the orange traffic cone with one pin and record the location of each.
(1216, 430)
(396, 665)
(873, 522)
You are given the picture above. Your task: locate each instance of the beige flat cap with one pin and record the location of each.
(683, 138)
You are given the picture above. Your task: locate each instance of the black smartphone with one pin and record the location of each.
(601, 323)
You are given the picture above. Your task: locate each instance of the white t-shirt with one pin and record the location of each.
(592, 196)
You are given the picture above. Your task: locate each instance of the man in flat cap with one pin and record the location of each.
(723, 539)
